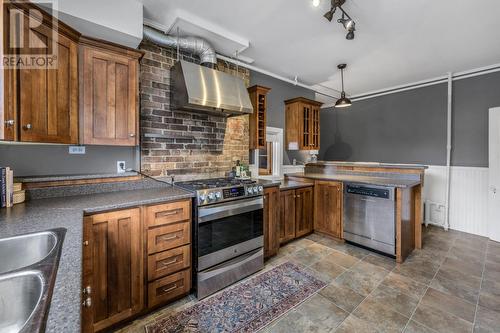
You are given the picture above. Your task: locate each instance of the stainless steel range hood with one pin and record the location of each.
(202, 89)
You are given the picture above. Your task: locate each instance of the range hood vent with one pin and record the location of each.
(202, 89)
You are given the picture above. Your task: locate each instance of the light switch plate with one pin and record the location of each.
(80, 150)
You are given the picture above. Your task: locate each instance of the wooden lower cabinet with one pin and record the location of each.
(113, 279)
(304, 202)
(328, 208)
(168, 288)
(296, 213)
(271, 220)
(287, 216)
(134, 260)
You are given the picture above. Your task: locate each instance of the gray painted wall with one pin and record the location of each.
(410, 126)
(280, 91)
(37, 160)
(472, 98)
(405, 127)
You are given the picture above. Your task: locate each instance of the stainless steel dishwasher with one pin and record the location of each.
(370, 216)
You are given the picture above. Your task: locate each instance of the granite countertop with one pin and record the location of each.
(67, 212)
(371, 180)
(292, 184)
(54, 178)
(268, 182)
(370, 164)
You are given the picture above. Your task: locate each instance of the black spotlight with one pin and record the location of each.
(329, 14)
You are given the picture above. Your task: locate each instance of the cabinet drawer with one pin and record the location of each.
(168, 213)
(167, 262)
(169, 236)
(169, 288)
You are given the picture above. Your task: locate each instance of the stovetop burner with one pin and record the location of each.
(210, 191)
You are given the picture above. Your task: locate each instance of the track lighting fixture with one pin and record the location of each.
(343, 101)
(346, 20)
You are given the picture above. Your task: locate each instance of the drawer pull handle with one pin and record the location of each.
(167, 237)
(166, 290)
(168, 213)
(167, 263)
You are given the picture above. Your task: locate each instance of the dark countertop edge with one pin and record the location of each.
(394, 183)
(290, 185)
(55, 178)
(100, 209)
(370, 165)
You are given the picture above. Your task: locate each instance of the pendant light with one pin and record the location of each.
(343, 101)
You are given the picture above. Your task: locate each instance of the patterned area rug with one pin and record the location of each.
(246, 307)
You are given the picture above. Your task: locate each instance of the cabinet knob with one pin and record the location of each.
(9, 122)
(87, 290)
(132, 135)
(87, 302)
(85, 243)
(27, 127)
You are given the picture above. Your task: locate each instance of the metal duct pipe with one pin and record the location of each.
(194, 45)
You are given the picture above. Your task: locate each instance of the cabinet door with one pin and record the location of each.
(271, 221)
(328, 208)
(314, 142)
(303, 211)
(48, 98)
(109, 98)
(287, 216)
(112, 268)
(305, 126)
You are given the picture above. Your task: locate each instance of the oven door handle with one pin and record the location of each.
(206, 214)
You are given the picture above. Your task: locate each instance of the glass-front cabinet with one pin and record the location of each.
(302, 124)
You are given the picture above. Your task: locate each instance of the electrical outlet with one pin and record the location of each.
(120, 166)
(80, 150)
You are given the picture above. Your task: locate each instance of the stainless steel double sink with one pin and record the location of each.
(28, 268)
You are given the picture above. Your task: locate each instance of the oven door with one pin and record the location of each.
(228, 230)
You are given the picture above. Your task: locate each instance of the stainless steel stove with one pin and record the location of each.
(216, 190)
(227, 232)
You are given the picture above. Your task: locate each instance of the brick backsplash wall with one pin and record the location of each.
(183, 144)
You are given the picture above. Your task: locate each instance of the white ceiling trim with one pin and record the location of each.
(424, 83)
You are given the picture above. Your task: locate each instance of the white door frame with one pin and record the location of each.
(274, 135)
(494, 174)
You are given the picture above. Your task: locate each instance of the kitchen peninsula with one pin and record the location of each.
(339, 185)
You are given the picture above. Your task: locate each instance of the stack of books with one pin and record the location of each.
(6, 187)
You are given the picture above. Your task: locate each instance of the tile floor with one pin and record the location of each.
(451, 285)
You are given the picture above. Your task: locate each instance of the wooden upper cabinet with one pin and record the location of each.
(258, 119)
(328, 208)
(304, 201)
(112, 268)
(302, 123)
(109, 94)
(271, 221)
(41, 103)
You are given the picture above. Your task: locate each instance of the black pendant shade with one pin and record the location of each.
(343, 101)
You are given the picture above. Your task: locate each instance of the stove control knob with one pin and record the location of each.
(202, 197)
(211, 196)
(218, 195)
(250, 190)
(261, 189)
(255, 190)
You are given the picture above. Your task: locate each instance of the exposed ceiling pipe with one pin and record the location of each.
(194, 45)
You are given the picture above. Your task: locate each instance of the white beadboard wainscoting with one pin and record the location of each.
(468, 196)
